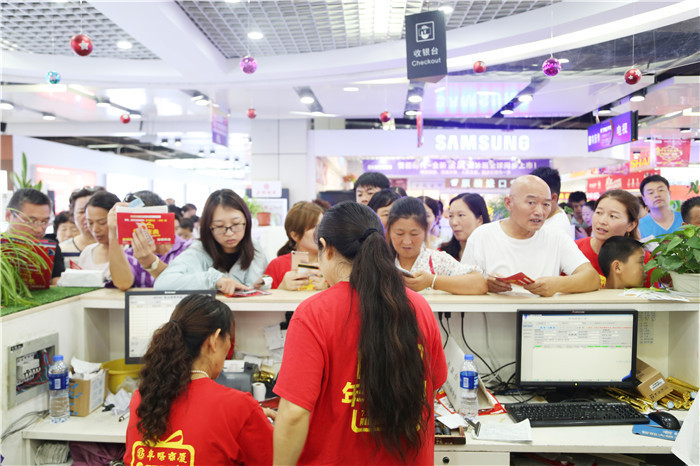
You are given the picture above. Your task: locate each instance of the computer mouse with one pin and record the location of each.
(664, 419)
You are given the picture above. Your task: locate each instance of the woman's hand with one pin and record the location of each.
(420, 280)
(228, 285)
(143, 245)
(318, 282)
(293, 281)
(112, 216)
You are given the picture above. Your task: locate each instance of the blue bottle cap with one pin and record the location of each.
(58, 357)
(468, 357)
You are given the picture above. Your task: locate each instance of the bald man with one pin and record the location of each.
(520, 244)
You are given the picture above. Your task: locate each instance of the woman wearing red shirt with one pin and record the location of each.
(300, 226)
(616, 214)
(179, 415)
(362, 359)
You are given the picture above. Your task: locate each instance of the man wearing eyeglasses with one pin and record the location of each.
(29, 212)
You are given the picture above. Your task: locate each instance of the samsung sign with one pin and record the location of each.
(482, 143)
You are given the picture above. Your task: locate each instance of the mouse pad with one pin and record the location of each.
(654, 430)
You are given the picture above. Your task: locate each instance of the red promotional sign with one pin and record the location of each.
(673, 153)
(602, 184)
(161, 226)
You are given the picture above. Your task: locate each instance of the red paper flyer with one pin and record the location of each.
(160, 225)
(35, 276)
(517, 279)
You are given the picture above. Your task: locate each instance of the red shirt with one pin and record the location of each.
(278, 267)
(208, 424)
(584, 244)
(319, 373)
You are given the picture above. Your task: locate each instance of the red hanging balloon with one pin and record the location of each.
(251, 113)
(632, 76)
(479, 66)
(81, 45)
(385, 116)
(126, 118)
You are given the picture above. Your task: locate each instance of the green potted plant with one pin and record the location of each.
(257, 212)
(677, 254)
(22, 181)
(14, 251)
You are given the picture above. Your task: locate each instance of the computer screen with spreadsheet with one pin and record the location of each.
(576, 348)
(145, 312)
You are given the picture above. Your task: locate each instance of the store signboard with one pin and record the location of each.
(612, 132)
(673, 153)
(478, 183)
(606, 183)
(266, 189)
(470, 99)
(464, 168)
(219, 126)
(426, 46)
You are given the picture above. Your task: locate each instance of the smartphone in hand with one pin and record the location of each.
(405, 272)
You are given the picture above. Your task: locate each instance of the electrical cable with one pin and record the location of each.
(447, 335)
(470, 348)
(33, 417)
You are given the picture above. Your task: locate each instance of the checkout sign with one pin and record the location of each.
(612, 132)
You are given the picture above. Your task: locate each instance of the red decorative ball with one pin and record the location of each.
(126, 118)
(385, 116)
(479, 66)
(632, 76)
(251, 113)
(81, 45)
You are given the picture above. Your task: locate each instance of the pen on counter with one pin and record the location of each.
(123, 417)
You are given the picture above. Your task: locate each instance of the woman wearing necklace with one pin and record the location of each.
(78, 201)
(178, 402)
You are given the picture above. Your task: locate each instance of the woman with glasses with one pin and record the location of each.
(78, 201)
(225, 257)
(96, 255)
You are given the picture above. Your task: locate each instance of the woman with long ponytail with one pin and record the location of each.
(178, 407)
(362, 359)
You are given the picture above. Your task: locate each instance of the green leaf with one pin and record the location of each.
(671, 263)
(656, 275)
(675, 241)
(694, 242)
(650, 265)
(696, 254)
(689, 232)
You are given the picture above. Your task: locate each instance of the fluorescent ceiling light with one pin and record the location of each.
(415, 99)
(255, 35)
(124, 44)
(307, 99)
(351, 89)
(447, 9)
(525, 98)
(6, 106)
(48, 117)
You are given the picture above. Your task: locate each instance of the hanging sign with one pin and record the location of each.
(673, 153)
(219, 126)
(628, 182)
(612, 132)
(426, 46)
(466, 168)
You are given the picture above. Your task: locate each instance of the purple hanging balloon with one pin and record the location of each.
(249, 65)
(551, 67)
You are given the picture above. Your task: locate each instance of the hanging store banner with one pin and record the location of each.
(606, 183)
(479, 183)
(612, 132)
(673, 153)
(464, 168)
(426, 46)
(219, 126)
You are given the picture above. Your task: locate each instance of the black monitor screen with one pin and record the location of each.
(576, 348)
(145, 312)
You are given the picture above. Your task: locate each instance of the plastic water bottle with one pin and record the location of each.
(59, 404)
(468, 384)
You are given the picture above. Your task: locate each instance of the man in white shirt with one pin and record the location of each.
(520, 244)
(557, 218)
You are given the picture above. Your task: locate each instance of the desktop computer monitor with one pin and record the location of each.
(576, 349)
(144, 313)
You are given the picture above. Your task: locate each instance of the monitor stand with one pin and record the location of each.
(564, 395)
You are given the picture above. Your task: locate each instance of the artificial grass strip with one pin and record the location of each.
(53, 294)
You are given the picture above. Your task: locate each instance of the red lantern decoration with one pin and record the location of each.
(251, 113)
(385, 116)
(479, 66)
(81, 45)
(126, 118)
(632, 76)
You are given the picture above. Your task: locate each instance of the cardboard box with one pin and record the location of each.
(652, 383)
(87, 395)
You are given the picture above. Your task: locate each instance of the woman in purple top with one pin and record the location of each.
(139, 265)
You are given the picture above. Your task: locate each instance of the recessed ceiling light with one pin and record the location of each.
(307, 99)
(255, 35)
(124, 44)
(351, 89)
(605, 110)
(563, 60)
(178, 142)
(202, 102)
(685, 130)
(201, 152)
(164, 142)
(637, 98)
(415, 99)
(6, 106)
(447, 9)
(103, 103)
(135, 116)
(507, 111)
(412, 112)
(48, 117)
(525, 98)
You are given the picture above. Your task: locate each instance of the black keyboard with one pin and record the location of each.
(575, 414)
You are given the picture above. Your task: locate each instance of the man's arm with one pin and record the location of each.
(583, 279)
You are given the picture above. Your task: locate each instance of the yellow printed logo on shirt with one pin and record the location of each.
(169, 452)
